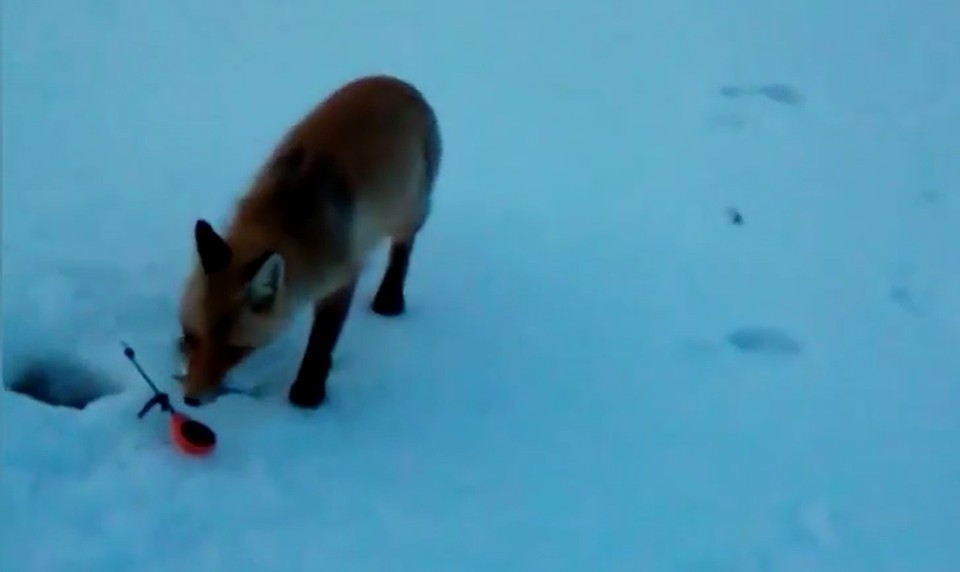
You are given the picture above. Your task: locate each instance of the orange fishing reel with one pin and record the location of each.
(188, 435)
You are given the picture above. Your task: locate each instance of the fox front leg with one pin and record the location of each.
(309, 389)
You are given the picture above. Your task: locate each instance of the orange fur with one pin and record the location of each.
(358, 169)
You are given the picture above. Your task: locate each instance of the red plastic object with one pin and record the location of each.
(191, 436)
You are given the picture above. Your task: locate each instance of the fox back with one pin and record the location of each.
(358, 169)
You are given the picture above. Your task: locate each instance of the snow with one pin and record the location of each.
(598, 370)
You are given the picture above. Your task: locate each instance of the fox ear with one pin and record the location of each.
(266, 277)
(214, 252)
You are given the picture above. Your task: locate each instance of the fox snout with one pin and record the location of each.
(199, 388)
(195, 402)
(205, 372)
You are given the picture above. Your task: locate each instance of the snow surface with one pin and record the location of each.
(598, 371)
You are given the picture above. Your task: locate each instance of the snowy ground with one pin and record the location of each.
(599, 370)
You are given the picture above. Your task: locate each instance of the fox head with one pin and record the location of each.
(232, 304)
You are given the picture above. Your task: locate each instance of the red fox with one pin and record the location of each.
(358, 169)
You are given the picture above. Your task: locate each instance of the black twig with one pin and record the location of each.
(128, 351)
(160, 398)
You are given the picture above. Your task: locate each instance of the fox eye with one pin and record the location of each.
(188, 342)
(235, 352)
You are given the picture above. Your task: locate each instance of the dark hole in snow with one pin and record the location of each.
(763, 340)
(61, 383)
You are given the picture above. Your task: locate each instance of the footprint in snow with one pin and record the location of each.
(781, 93)
(904, 297)
(816, 523)
(737, 119)
(763, 340)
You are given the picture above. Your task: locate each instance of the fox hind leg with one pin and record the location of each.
(389, 299)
